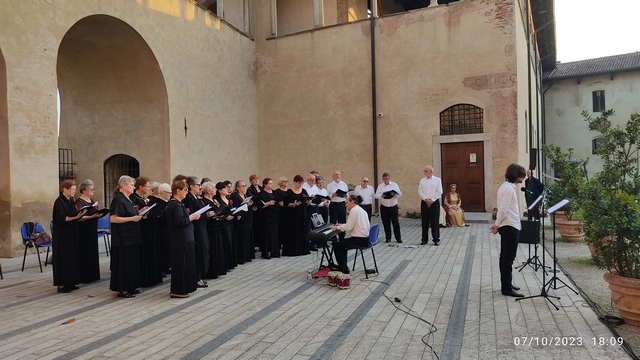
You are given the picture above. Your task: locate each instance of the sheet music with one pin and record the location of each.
(204, 209)
(246, 201)
(145, 211)
(240, 208)
(558, 206)
(535, 202)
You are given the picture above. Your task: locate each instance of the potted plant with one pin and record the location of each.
(571, 175)
(612, 211)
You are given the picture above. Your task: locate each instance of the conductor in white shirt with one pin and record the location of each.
(358, 227)
(508, 225)
(388, 192)
(430, 191)
(367, 193)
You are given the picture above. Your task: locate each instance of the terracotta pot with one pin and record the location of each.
(592, 249)
(625, 294)
(560, 215)
(570, 229)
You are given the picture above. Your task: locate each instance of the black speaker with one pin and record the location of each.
(533, 158)
(530, 233)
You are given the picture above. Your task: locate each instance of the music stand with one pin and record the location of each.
(554, 278)
(543, 292)
(530, 229)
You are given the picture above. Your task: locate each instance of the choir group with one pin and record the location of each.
(192, 229)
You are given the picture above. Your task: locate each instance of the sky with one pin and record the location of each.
(587, 29)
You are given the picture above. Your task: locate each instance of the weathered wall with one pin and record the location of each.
(5, 164)
(319, 83)
(207, 69)
(566, 99)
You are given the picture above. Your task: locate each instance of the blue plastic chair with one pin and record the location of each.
(373, 240)
(104, 230)
(28, 243)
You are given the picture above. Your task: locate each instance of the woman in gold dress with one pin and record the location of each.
(453, 207)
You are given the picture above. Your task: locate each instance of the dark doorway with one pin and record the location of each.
(463, 164)
(114, 167)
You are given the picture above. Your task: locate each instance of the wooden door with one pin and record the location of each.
(463, 164)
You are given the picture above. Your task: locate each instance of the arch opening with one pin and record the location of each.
(113, 100)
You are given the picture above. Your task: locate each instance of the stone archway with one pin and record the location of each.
(5, 180)
(113, 99)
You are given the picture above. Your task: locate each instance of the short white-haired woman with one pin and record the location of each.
(125, 240)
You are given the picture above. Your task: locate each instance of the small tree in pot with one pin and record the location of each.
(612, 211)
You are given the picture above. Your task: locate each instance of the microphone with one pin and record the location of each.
(524, 190)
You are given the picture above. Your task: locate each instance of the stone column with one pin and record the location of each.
(433, 3)
(318, 13)
(274, 18)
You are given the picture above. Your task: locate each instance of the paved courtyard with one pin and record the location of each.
(450, 308)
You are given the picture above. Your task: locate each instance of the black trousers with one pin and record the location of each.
(389, 217)
(508, 249)
(368, 208)
(340, 249)
(430, 219)
(338, 214)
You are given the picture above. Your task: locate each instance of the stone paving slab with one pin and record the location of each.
(265, 310)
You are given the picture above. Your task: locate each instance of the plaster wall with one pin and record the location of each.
(234, 13)
(566, 99)
(319, 82)
(207, 69)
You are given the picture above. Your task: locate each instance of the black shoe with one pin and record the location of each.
(423, 243)
(511, 293)
(436, 243)
(399, 241)
(276, 255)
(516, 288)
(64, 290)
(74, 287)
(442, 226)
(137, 291)
(202, 285)
(314, 248)
(388, 240)
(345, 271)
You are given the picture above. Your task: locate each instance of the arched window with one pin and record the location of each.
(461, 119)
(114, 167)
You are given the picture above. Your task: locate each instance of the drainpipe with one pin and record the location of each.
(374, 109)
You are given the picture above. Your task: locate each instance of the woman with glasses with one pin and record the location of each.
(227, 223)
(125, 240)
(184, 279)
(88, 261)
(295, 240)
(150, 269)
(65, 232)
(284, 214)
(270, 212)
(161, 201)
(193, 203)
(242, 228)
(217, 266)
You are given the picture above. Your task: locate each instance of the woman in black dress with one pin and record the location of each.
(284, 215)
(296, 243)
(254, 189)
(164, 243)
(217, 266)
(227, 224)
(243, 227)
(270, 211)
(150, 270)
(89, 264)
(65, 239)
(193, 203)
(184, 279)
(125, 240)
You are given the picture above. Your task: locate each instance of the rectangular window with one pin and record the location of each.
(598, 101)
(597, 143)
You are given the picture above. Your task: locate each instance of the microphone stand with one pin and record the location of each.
(543, 292)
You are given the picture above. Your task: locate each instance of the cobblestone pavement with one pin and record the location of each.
(450, 305)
